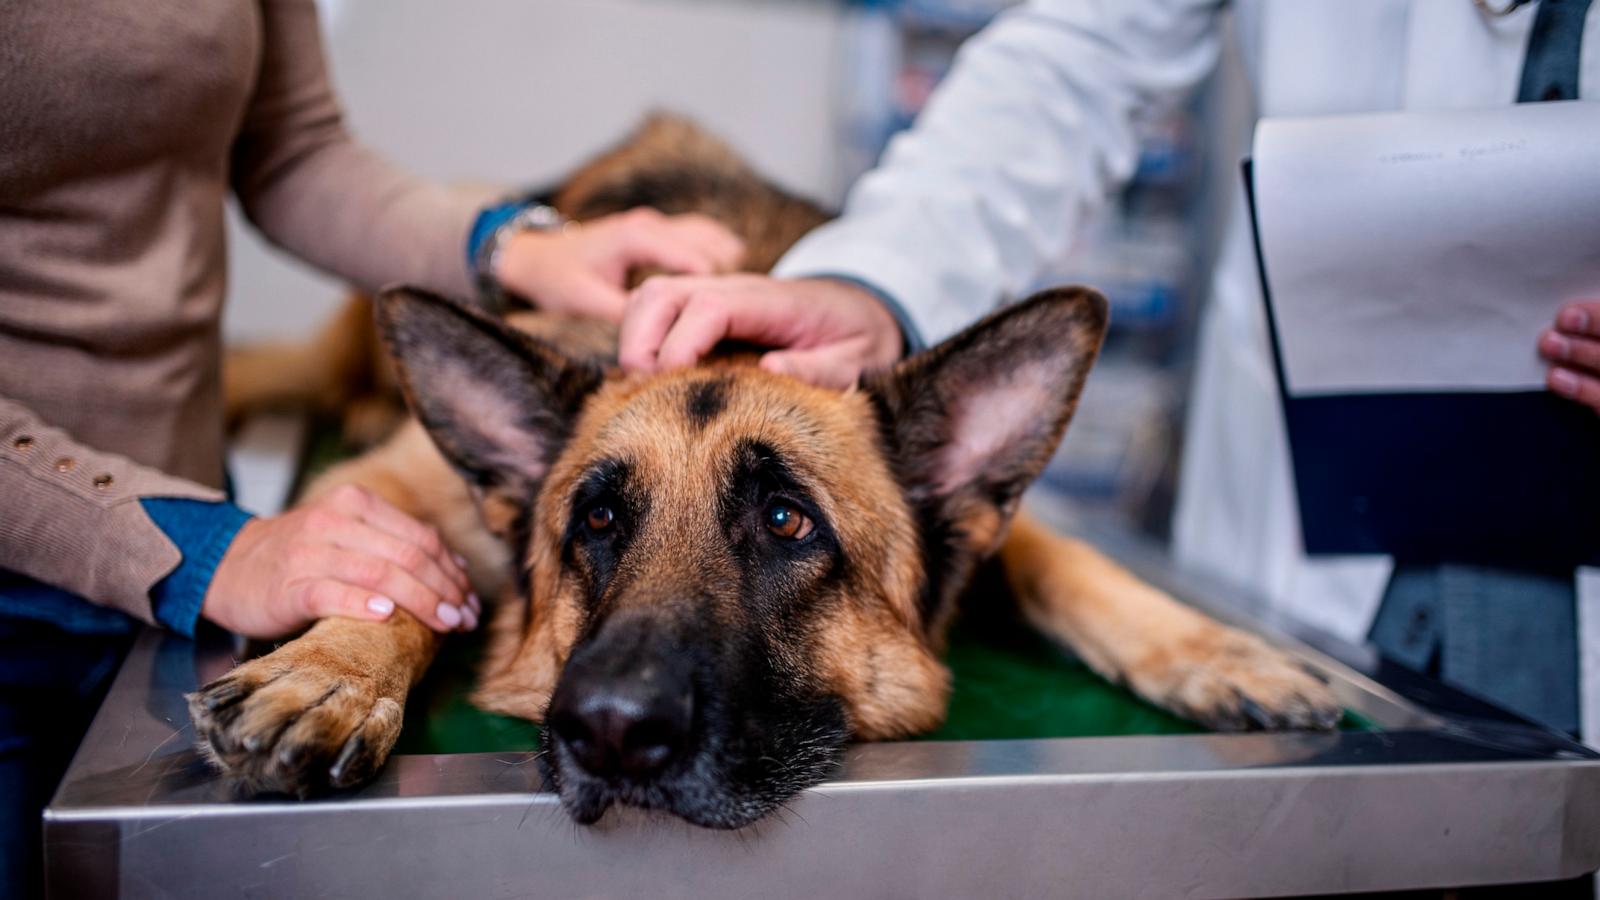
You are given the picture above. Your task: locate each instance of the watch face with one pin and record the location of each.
(534, 217)
(537, 216)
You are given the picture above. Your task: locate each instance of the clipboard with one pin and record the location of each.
(1502, 478)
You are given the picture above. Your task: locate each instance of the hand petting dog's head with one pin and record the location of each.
(726, 573)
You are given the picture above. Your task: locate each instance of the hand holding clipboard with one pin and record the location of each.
(1410, 262)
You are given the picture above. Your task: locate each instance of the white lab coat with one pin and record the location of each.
(1031, 132)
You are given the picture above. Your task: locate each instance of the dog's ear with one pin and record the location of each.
(973, 421)
(499, 404)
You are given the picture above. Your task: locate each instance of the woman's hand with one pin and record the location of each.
(1573, 349)
(348, 553)
(824, 330)
(583, 269)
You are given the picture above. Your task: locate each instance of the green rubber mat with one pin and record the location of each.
(1009, 683)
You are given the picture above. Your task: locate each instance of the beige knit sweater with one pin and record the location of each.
(123, 126)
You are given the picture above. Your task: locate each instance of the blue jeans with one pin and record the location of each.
(51, 682)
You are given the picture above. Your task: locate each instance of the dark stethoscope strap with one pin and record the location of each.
(1550, 70)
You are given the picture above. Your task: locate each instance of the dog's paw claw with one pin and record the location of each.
(366, 749)
(1231, 681)
(219, 694)
(291, 729)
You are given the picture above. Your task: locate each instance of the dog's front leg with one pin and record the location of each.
(1170, 654)
(322, 711)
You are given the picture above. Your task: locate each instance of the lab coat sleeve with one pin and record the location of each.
(1028, 135)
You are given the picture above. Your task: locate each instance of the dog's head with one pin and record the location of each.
(725, 573)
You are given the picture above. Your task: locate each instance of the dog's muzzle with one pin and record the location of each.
(624, 709)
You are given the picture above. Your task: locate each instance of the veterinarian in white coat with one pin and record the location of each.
(1030, 133)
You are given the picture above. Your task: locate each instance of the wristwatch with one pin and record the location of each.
(514, 218)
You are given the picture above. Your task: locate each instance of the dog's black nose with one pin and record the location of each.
(624, 708)
(623, 729)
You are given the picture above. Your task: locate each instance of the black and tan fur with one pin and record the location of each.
(772, 650)
(668, 164)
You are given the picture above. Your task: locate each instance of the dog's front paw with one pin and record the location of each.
(292, 726)
(1228, 680)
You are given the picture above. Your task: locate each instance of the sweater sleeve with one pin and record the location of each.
(203, 532)
(313, 190)
(71, 517)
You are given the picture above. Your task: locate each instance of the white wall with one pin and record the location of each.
(518, 91)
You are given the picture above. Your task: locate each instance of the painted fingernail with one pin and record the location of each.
(1574, 319)
(383, 606)
(1564, 383)
(472, 601)
(449, 615)
(471, 618)
(460, 560)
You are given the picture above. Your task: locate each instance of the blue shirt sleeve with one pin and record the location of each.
(203, 532)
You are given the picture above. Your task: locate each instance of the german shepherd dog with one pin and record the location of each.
(711, 579)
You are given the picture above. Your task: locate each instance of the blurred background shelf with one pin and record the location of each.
(1147, 250)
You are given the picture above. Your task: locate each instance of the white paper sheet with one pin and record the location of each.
(1426, 251)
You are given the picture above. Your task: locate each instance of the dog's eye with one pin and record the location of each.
(600, 517)
(787, 522)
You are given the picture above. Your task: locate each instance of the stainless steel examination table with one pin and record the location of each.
(1423, 788)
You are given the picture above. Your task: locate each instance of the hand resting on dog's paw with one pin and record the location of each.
(347, 552)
